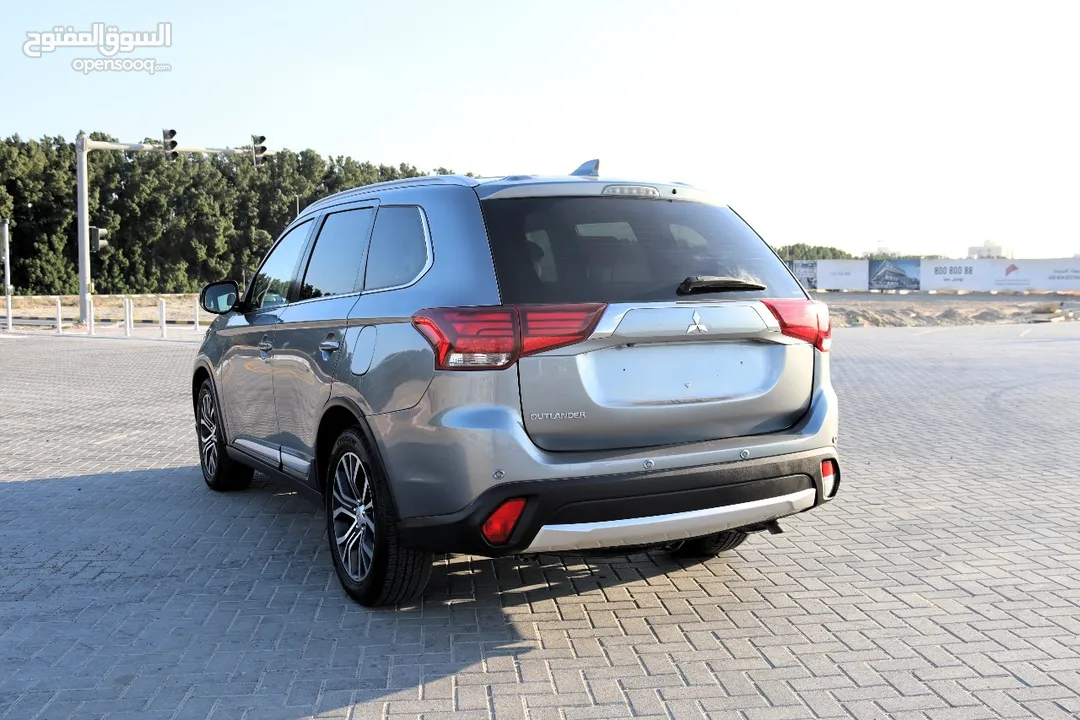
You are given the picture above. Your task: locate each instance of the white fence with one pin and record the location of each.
(1057, 275)
(124, 313)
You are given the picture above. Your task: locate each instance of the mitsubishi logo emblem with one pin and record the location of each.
(697, 327)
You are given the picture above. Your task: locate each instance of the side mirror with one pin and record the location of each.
(220, 297)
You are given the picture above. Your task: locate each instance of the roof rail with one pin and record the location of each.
(388, 184)
(588, 169)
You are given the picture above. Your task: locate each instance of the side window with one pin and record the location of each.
(618, 230)
(612, 253)
(338, 255)
(541, 255)
(270, 286)
(399, 248)
(688, 237)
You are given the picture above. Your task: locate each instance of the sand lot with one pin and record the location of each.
(923, 309)
(847, 309)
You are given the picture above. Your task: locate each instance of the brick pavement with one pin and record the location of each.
(944, 583)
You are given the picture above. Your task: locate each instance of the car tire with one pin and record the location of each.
(372, 566)
(221, 472)
(709, 545)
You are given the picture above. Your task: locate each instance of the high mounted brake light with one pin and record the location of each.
(493, 338)
(803, 319)
(645, 191)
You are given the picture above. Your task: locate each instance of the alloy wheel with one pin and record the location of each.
(208, 436)
(353, 516)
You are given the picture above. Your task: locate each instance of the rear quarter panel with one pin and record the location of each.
(388, 365)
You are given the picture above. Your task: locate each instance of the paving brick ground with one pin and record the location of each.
(943, 584)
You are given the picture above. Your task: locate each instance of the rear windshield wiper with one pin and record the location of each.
(713, 283)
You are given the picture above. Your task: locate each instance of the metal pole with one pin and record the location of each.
(59, 317)
(161, 315)
(127, 317)
(7, 269)
(83, 145)
(156, 147)
(90, 314)
(196, 313)
(81, 151)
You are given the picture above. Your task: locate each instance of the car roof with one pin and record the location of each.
(585, 181)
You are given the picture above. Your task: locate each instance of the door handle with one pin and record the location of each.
(330, 345)
(266, 346)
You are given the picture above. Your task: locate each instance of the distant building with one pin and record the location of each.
(990, 250)
(882, 250)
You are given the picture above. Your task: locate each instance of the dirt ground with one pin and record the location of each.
(923, 309)
(846, 309)
(110, 308)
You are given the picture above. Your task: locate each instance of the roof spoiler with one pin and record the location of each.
(588, 169)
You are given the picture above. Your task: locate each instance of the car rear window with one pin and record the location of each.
(613, 249)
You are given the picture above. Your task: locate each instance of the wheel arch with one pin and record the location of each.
(202, 373)
(338, 415)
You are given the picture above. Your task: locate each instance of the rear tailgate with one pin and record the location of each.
(651, 382)
(658, 368)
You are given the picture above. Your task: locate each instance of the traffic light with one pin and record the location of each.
(257, 147)
(169, 145)
(97, 239)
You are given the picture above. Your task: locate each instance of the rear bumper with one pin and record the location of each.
(633, 509)
(668, 528)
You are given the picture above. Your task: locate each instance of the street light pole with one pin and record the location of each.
(82, 150)
(83, 146)
(7, 270)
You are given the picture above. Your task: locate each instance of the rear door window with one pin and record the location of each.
(334, 266)
(611, 249)
(399, 248)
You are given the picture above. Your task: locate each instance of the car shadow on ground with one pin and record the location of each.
(145, 592)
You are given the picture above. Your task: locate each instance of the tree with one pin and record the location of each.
(898, 256)
(802, 251)
(173, 226)
(38, 179)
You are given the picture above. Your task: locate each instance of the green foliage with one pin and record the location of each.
(173, 227)
(802, 251)
(898, 256)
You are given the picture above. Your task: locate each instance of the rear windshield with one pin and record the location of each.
(614, 249)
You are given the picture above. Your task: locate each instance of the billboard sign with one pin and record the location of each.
(894, 274)
(842, 275)
(954, 274)
(1019, 275)
(1001, 275)
(806, 272)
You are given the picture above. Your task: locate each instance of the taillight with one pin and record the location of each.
(492, 338)
(465, 338)
(500, 525)
(803, 319)
(546, 327)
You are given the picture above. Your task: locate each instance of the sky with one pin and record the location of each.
(921, 127)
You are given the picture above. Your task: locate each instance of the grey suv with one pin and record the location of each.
(520, 365)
